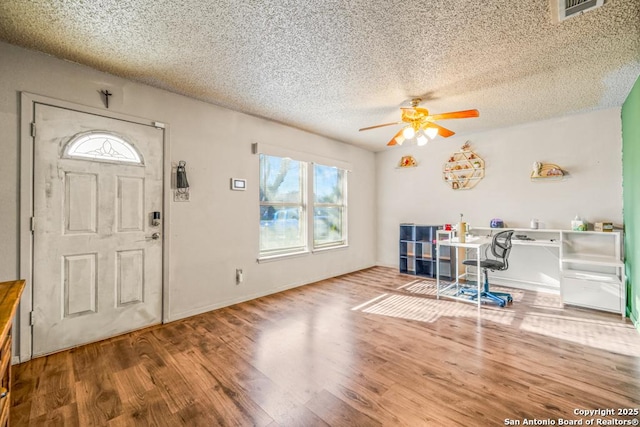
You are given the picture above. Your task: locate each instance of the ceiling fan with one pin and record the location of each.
(420, 124)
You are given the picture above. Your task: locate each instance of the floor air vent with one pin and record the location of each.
(567, 8)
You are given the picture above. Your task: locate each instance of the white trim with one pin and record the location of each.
(274, 150)
(27, 116)
(232, 301)
(22, 321)
(329, 248)
(166, 221)
(269, 258)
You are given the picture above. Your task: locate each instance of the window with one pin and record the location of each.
(102, 147)
(283, 221)
(329, 207)
(285, 194)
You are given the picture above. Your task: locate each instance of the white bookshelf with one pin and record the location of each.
(592, 270)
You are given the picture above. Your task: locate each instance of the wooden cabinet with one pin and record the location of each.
(10, 293)
(418, 251)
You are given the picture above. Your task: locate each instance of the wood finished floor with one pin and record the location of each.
(321, 355)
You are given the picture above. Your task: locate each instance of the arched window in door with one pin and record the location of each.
(102, 146)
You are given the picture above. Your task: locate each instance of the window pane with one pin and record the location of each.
(281, 228)
(280, 180)
(283, 220)
(327, 226)
(327, 183)
(102, 146)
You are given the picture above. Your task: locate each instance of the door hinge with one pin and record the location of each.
(33, 224)
(33, 129)
(32, 318)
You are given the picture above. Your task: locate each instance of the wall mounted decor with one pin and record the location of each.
(182, 184)
(407, 162)
(547, 171)
(464, 169)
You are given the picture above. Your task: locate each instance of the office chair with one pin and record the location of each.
(500, 247)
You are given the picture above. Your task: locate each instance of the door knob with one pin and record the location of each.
(154, 236)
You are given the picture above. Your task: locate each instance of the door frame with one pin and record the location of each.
(22, 326)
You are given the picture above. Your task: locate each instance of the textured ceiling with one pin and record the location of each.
(332, 67)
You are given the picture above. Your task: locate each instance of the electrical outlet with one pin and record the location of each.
(239, 276)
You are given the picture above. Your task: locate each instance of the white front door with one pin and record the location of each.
(97, 254)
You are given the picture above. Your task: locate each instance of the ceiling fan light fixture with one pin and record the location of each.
(408, 132)
(419, 124)
(431, 132)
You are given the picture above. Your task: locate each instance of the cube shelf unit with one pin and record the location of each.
(418, 252)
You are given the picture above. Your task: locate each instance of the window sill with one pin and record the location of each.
(330, 248)
(269, 258)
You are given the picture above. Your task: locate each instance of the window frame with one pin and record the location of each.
(307, 206)
(341, 206)
(71, 148)
(302, 220)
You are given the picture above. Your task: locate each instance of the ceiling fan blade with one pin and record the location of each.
(379, 126)
(398, 138)
(453, 115)
(442, 131)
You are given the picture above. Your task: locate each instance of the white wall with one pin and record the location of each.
(589, 146)
(217, 231)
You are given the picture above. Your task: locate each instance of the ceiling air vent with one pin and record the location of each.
(568, 8)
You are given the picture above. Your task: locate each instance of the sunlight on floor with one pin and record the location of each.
(611, 336)
(548, 300)
(615, 336)
(428, 287)
(430, 310)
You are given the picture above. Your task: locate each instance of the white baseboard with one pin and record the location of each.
(382, 264)
(244, 298)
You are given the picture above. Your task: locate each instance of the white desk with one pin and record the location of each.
(586, 266)
(533, 264)
(477, 243)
